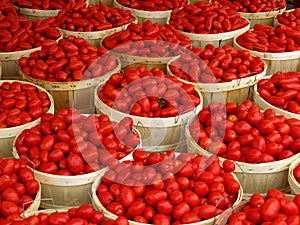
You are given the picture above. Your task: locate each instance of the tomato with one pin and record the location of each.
(32, 187)
(11, 195)
(7, 166)
(161, 219)
(32, 140)
(48, 167)
(288, 207)
(266, 127)
(97, 217)
(254, 215)
(85, 212)
(256, 200)
(57, 218)
(25, 174)
(126, 196)
(296, 172)
(254, 117)
(179, 210)
(47, 143)
(274, 193)
(206, 211)
(242, 127)
(253, 156)
(228, 166)
(75, 163)
(270, 209)
(121, 220)
(116, 208)
(8, 208)
(152, 197)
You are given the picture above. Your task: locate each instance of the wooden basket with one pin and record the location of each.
(94, 37)
(217, 40)
(136, 61)
(9, 62)
(284, 61)
(159, 17)
(276, 22)
(158, 134)
(263, 104)
(7, 135)
(47, 211)
(266, 18)
(222, 220)
(294, 185)
(234, 91)
(38, 14)
(254, 178)
(109, 3)
(77, 94)
(64, 191)
(194, 1)
(97, 205)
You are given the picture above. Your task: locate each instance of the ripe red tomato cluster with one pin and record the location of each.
(266, 38)
(45, 4)
(145, 93)
(206, 18)
(21, 104)
(282, 90)
(18, 33)
(216, 65)
(244, 133)
(7, 9)
(252, 6)
(69, 143)
(71, 59)
(274, 208)
(156, 5)
(291, 19)
(161, 188)
(148, 40)
(18, 187)
(84, 214)
(81, 18)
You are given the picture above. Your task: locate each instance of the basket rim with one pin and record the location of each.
(217, 87)
(136, 58)
(257, 98)
(96, 34)
(276, 22)
(215, 37)
(144, 13)
(254, 168)
(10, 56)
(291, 177)
(268, 55)
(236, 208)
(13, 131)
(69, 180)
(258, 15)
(74, 85)
(98, 204)
(143, 121)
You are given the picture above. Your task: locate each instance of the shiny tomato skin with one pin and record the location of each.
(270, 209)
(75, 163)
